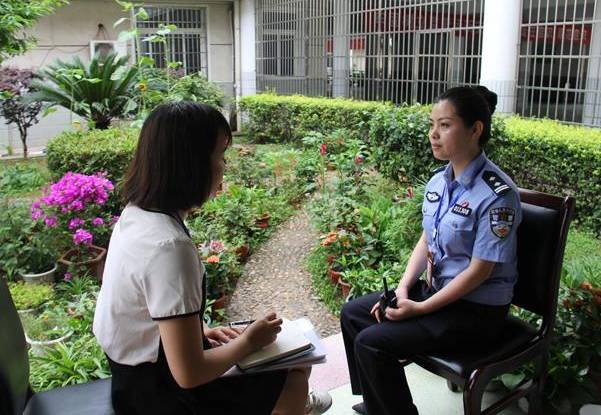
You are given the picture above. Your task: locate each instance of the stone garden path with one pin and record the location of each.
(275, 279)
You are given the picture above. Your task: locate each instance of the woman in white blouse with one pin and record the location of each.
(148, 320)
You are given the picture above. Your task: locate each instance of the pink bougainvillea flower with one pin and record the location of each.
(81, 236)
(213, 259)
(323, 149)
(67, 276)
(97, 221)
(50, 221)
(75, 223)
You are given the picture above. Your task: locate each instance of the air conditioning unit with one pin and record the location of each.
(104, 47)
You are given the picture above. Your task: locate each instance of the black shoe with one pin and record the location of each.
(360, 408)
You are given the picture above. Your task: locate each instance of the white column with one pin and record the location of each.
(500, 42)
(592, 98)
(248, 61)
(341, 47)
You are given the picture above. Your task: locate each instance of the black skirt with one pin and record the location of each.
(149, 389)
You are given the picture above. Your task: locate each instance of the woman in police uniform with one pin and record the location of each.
(467, 253)
(148, 319)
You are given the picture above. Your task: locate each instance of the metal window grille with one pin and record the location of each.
(560, 60)
(391, 50)
(187, 44)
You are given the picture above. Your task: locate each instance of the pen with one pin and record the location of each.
(240, 323)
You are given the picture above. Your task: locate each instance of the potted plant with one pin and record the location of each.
(74, 210)
(29, 297)
(222, 269)
(44, 331)
(38, 259)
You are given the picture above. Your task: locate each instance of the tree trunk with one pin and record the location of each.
(23, 134)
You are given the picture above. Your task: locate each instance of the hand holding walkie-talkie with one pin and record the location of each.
(387, 299)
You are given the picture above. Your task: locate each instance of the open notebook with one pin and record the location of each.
(290, 342)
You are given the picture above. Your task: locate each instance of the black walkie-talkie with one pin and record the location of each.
(387, 299)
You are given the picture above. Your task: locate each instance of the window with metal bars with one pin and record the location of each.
(560, 60)
(187, 44)
(392, 50)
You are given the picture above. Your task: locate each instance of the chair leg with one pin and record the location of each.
(536, 393)
(453, 387)
(472, 397)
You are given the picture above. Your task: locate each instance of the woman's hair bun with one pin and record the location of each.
(489, 96)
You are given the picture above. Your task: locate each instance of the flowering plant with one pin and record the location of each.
(74, 210)
(221, 266)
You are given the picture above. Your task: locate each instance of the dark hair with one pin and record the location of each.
(171, 169)
(472, 104)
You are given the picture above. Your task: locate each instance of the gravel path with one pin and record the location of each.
(275, 278)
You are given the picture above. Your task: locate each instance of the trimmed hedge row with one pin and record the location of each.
(271, 118)
(556, 158)
(91, 151)
(543, 155)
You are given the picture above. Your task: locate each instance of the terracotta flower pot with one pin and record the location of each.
(242, 252)
(346, 288)
(94, 266)
(263, 221)
(334, 275)
(219, 304)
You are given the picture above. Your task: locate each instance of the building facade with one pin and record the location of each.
(203, 42)
(542, 57)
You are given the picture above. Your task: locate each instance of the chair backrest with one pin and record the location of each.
(541, 244)
(14, 363)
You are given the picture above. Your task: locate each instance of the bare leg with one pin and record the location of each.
(293, 397)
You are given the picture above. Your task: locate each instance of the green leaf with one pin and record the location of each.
(127, 34)
(142, 14)
(121, 20)
(119, 73)
(92, 80)
(48, 111)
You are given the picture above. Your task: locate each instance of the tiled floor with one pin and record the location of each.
(429, 391)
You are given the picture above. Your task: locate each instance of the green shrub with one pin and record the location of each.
(92, 151)
(581, 262)
(27, 296)
(22, 178)
(197, 88)
(555, 158)
(275, 119)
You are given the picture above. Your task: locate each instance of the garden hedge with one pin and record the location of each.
(270, 118)
(542, 155)
(92, 151)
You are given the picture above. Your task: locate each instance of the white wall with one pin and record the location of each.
(67, 33)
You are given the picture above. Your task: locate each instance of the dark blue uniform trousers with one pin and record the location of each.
(373, 349)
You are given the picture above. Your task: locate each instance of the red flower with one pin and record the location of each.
(359, 159)
(213, 259)
(323, 149)
(410, 194)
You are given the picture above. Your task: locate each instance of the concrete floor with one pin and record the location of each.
(430, 392)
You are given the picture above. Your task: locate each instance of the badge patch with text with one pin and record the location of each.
(461, 210)
(432, 197)
(501, 221)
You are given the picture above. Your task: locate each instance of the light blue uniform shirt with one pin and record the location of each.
(478, 215)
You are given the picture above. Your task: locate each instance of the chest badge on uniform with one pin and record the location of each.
(501, 221)
(462, 209)
(432, 197)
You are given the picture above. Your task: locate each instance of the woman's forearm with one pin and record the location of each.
(416, 264)
(465, 282)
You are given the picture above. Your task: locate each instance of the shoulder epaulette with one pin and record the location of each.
(495, 182)
(439, 169)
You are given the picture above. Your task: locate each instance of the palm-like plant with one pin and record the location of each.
(98, 91)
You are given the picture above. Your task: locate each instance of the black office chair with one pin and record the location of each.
(16, 397)
(541, 243)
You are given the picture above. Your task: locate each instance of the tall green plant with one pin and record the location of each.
(98, 91)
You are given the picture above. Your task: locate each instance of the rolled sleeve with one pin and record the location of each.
(173, 280)
(496, 236)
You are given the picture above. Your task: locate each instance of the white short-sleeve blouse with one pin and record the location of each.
(152, 272)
